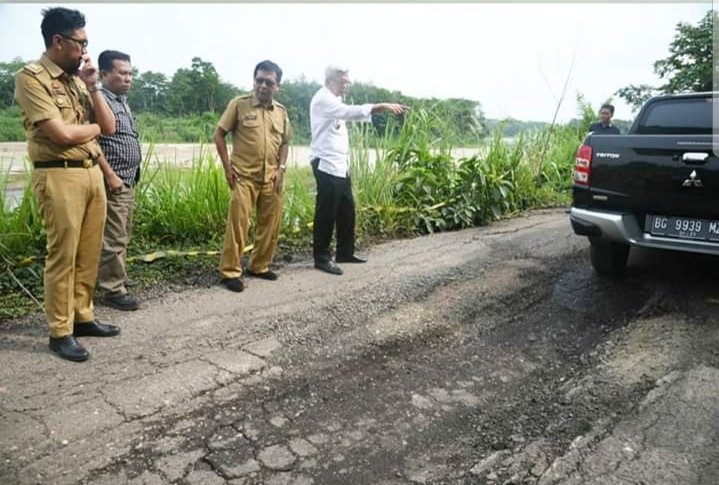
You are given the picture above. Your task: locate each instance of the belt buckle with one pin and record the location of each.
(87, 163)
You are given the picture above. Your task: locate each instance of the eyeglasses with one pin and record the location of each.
(81, 42)
(264, 80)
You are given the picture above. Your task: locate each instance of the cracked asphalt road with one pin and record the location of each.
(487, 356)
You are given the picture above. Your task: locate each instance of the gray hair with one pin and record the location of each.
(333, 72)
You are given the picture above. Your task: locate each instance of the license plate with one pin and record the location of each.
(682, 227)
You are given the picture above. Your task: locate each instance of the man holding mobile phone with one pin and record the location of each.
(63, 113)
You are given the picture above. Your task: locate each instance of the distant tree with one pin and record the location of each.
(225, 93)
(7, 81)
(688, 68)
(296, 95)
(148, 92)
(195, 90)
(636, 96)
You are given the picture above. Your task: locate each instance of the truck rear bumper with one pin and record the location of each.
(624, 228)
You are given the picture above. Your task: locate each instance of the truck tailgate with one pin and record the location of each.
(654, 174)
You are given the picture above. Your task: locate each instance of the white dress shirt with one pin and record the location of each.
(330, 140)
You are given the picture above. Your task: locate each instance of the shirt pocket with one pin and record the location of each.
(251, 123)
(64, 105)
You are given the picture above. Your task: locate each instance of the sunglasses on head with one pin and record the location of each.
(264, 80)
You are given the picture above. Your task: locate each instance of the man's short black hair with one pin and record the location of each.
(269, 66)
(607, 106)
(106, 58)
(59, 20)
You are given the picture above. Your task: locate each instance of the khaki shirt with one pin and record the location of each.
(44, 91)
(257, 134)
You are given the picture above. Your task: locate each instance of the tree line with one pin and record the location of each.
(199, 91)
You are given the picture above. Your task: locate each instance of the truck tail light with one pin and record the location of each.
(583, 165)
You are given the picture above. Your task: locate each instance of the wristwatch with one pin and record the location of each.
(283, 167)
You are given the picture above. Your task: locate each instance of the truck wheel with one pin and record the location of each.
(608, 258)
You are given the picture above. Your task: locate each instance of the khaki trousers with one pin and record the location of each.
(245, 196)
(112, 274)
(72, 206)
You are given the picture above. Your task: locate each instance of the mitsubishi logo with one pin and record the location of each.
(693, 181)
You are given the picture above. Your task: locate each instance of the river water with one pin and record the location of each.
(12, 160)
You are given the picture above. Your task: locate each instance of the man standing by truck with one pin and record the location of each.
(605, 126)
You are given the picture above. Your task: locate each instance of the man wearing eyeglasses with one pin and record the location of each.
(63, 113)
(255, 171)
(329, 157)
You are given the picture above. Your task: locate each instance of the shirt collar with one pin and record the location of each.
(329, 91)
(256, 103)
(53, 69)
(118, 97)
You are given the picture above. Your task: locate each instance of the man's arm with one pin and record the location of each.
(221, 146)
(394, 108)
(103, 115)
(42, 112)
(62, 133)
(334, 108)
(227, 122)
(279, 176)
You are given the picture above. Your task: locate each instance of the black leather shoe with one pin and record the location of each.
(68, 348)
(268, 275)
(329, 267)
(95, 329)
(351, 259)
(233, 284)
(121, 301)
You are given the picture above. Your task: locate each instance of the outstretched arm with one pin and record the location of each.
(394, 108)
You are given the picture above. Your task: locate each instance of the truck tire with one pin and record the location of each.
(608, 258)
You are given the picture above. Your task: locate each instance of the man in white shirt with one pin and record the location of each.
(329, 157)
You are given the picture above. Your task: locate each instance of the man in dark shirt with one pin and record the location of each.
(121, 170)
(605, 126)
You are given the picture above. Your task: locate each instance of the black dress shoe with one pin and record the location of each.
(95, 329)
(233, 284)
(350, 259)
(329, 267)
(121, 301)
(267, 275)
(68, 348)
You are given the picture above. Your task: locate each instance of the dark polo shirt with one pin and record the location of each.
(600, 129)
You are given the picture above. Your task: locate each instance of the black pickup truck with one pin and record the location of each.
(655, 187)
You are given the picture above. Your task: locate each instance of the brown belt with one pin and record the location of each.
(89, 163)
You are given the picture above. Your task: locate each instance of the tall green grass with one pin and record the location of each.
(413, 186)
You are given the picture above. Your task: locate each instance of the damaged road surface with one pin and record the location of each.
(486, 356)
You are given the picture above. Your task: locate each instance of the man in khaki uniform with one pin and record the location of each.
(260, 135)
(63, 113)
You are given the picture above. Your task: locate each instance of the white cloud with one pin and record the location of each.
(513, 58)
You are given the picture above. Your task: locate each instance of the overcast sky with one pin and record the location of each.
(514, 58)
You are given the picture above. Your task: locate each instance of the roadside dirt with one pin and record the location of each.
(487, 356)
